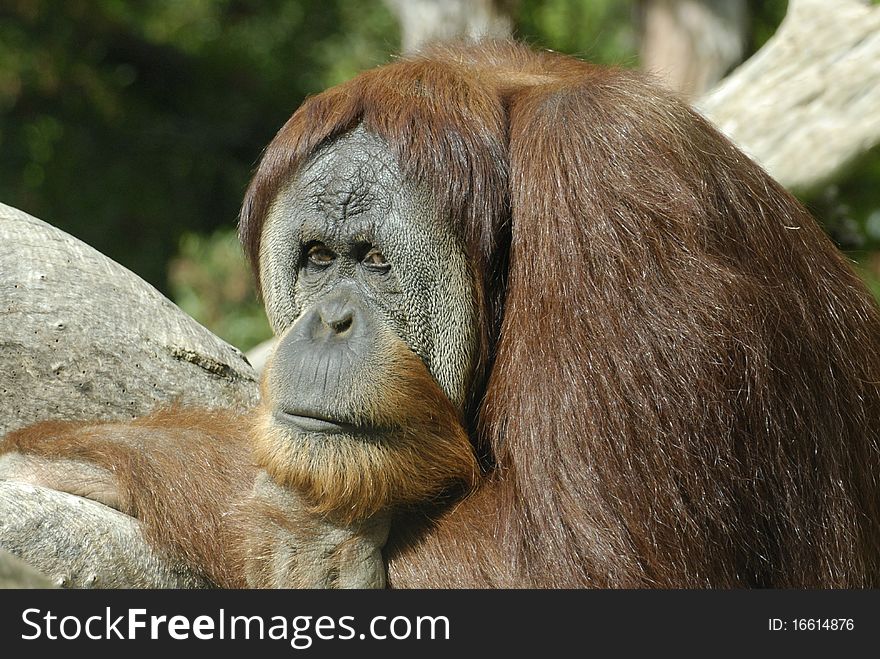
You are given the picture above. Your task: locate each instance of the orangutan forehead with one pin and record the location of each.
(354, 175)
(352, 189)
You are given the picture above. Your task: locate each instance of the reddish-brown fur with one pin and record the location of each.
(681, 371)
(423, 453)
(181, 472)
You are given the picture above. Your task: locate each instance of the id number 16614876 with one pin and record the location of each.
(811, 624)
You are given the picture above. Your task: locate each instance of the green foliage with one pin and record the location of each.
(850, 208)
(605, 31)
(765, 17)
(599, 30)
(210, 280)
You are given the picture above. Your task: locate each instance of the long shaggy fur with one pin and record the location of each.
(422, 453)
(181, 472)
(681, 372)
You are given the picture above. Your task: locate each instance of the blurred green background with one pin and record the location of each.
(135, 125)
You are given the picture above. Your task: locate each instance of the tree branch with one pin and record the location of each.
(808, 103)
(15, 573)
(81, 337)
(78, 543)
(691, 44)
(424, 21)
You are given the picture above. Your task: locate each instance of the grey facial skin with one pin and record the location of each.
(351, 198)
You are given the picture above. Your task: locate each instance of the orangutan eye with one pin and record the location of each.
(375, 260)
(320, 255)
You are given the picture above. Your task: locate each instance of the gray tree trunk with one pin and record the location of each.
(81, 337)
(78, 543)
(425, 21)
(689, 45)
